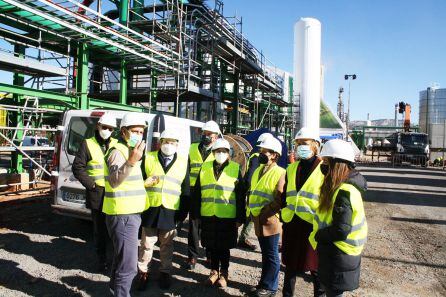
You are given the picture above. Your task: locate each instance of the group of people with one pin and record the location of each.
(312, 209)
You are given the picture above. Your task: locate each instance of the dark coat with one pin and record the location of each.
(217, 232)
(297, 253)
(94, 193)
(337, 270)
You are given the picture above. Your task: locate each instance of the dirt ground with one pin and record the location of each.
(42, 254)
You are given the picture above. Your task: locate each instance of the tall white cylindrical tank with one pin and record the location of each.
(307, 70)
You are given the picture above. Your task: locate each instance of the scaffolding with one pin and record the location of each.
(179, 57)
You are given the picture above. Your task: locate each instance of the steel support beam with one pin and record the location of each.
(123, 20)
(235, 111)
(82, 76)
(20, 90)
(17, 119)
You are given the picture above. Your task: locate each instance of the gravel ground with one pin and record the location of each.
(42, 254)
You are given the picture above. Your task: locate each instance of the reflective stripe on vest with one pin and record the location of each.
(196, 161)
(130, 196)
(218, 196)
(304, 202)
(96, 166)
(354, 243)
(168, 190)
(263, 189)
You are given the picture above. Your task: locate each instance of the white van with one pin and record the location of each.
(77, 125)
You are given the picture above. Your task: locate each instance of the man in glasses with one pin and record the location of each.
(88, 168)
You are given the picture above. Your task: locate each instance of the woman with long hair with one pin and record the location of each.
(339, 227)
(300, 201)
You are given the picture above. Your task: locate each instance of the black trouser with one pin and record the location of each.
(193, 239)
(100, 234)
(220, 259)
(289, 283)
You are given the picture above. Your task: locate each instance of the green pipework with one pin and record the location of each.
(153, 86)
(123, 11)
(17, 119)
(82, 76)
(123, 83)
(235, 104)
(138, 8)
(123, 19)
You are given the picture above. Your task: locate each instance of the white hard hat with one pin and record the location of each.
(263, 136)
(170, 134)
(108, 119)
(221, 143)
(273, 144)
(211, 126)
(133, 119)
(307, 133)
(338, 149)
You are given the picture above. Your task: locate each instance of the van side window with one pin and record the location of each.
(195, 134)
(80, 128)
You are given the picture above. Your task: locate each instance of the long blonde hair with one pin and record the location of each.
(338, 173)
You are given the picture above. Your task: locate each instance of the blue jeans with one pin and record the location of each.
(123, 231)
(270, 262)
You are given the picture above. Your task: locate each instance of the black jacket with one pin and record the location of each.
(253, 165)
(161, 217)
(338, 270)
(220, 232)
(94, 193)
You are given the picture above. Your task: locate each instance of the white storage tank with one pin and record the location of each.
(307, 70)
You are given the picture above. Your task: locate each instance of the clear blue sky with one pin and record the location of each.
(396, 47)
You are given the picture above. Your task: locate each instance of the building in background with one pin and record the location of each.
(433, 118)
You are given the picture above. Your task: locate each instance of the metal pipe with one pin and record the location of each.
(23, 128)
(26, 155)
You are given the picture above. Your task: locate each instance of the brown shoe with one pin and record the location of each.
(213, 277)
(223, 279)
(143, 278)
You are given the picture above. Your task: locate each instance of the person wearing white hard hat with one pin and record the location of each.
(264, 203)
(340, 226)
(199, 153)
(166, 175)
(89, 167)
(125, 200)
(219, 202)
(300, 201)
(253, 164)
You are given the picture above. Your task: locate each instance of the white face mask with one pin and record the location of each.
(105, 134)
(221, 157)
(168, 149)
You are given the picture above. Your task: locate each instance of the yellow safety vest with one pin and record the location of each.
(130, 196)
(167, 192)
(305, 202)
(357, 237)
(96, 166)
(196, 161)
(262, 190)
(218, 196)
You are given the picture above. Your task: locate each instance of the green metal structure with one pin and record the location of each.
(179, 57)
